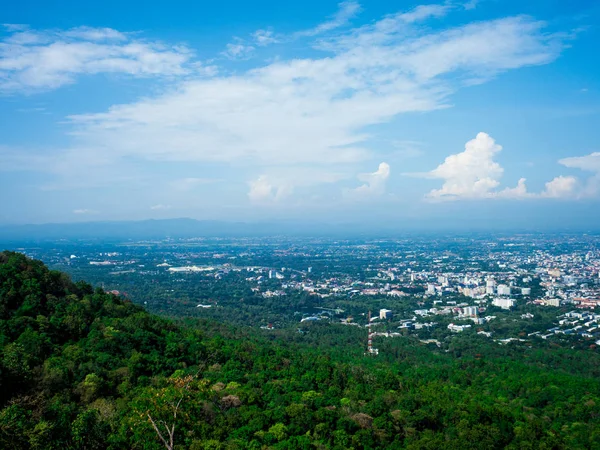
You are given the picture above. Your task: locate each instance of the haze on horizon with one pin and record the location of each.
(457, 113)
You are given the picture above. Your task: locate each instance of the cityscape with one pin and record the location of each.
(512, 288)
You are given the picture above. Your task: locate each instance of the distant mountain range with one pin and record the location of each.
(189, 228)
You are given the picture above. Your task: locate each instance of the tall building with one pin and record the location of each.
(470, 311)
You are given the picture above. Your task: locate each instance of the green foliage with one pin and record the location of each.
(83, 369)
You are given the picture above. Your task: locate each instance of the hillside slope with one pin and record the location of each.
(83, 369)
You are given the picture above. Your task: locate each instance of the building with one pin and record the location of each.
(504, 303)
(470, 311)
(490, 287)
(458, 328)
(526, 291)
(385, 314)
(503, 289)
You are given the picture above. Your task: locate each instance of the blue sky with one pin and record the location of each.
(455, 113)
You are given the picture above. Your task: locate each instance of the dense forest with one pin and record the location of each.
(84, 369)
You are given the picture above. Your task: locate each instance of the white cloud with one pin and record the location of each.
(32, 60)
(471, 4)
(518, 192)
(160, 207)
(470, 174)
(347, 10)
(265, 37)
(84, 211)
(13, 27)
(560, 187)
(420, 13)
(474, 174)
(278, 183)
(94, 34)
(309, 110)
(588, 163)
(238, 49)
(302, 112)
(374, 183)
(393, 29)
(262, 190)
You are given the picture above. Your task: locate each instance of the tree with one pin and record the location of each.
(164, 407)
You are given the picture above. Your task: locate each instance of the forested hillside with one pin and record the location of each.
(83, 369)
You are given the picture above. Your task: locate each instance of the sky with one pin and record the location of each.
(454, 113)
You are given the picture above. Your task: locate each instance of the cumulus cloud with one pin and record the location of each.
(470, 174)
(560, 187)
(84, 211)
(518, 192)
(263, 190)
(33, 60)
(374, 183)
(474, 174)
(281, 182)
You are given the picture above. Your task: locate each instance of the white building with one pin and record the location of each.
(470, 311)
(526, 291)
(458, 328)
(490, 287)
(504, 303)
(503, 289)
